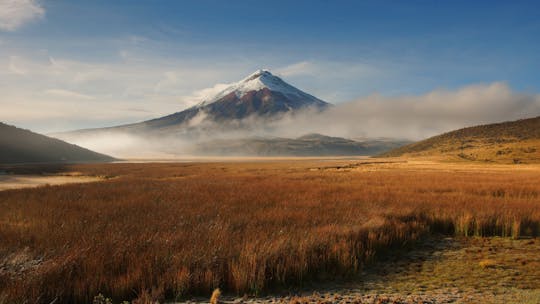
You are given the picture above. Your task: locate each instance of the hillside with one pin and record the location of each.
(23, 146)
(512, 142)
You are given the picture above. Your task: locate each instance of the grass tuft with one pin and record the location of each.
(214, 299)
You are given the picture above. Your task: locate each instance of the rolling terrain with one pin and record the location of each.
(508, 142)
(23, 146)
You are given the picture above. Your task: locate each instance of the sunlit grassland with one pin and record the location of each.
(170, 230)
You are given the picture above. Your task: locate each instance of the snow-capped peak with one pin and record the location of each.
(254, 82)
(258, 73)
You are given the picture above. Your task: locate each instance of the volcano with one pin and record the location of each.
(261, 95)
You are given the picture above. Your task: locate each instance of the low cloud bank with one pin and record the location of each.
(416, 117)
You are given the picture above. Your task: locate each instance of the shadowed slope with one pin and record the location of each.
(23, 146)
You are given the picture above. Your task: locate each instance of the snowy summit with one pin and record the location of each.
(257, 81)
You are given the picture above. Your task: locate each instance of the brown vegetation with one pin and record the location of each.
(169, 230)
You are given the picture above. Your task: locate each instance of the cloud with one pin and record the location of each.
(67, 94)
(170, 80)
(119, 144)
(16, 13)
(330, 70)
(14, 68)
(199, 96)
(299, 68)
(414, 117)
(338, 81)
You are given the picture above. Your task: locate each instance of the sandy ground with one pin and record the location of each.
(8, 181)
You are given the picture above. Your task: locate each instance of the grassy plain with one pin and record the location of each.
(170, 230)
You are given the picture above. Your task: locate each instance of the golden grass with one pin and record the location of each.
(164, 231)
(214, 299)
(487, 263)
(526, 151)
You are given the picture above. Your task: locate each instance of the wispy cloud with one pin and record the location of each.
(13, 67)
(206, 94)
(16, 13)
(338, 81)
(331, 69)
(67, 94)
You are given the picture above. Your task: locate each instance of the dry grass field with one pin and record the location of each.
(170, 230)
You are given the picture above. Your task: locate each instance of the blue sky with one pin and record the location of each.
(71, 64)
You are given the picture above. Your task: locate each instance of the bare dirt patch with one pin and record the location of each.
(18, 263)
(8, 181)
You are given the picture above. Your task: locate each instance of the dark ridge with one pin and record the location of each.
(23, 146)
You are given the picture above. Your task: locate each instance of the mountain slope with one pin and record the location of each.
(23, 146)
(515, 141)
(261, 94)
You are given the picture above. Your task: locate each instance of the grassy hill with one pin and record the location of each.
(508, 142)
(23, 146)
